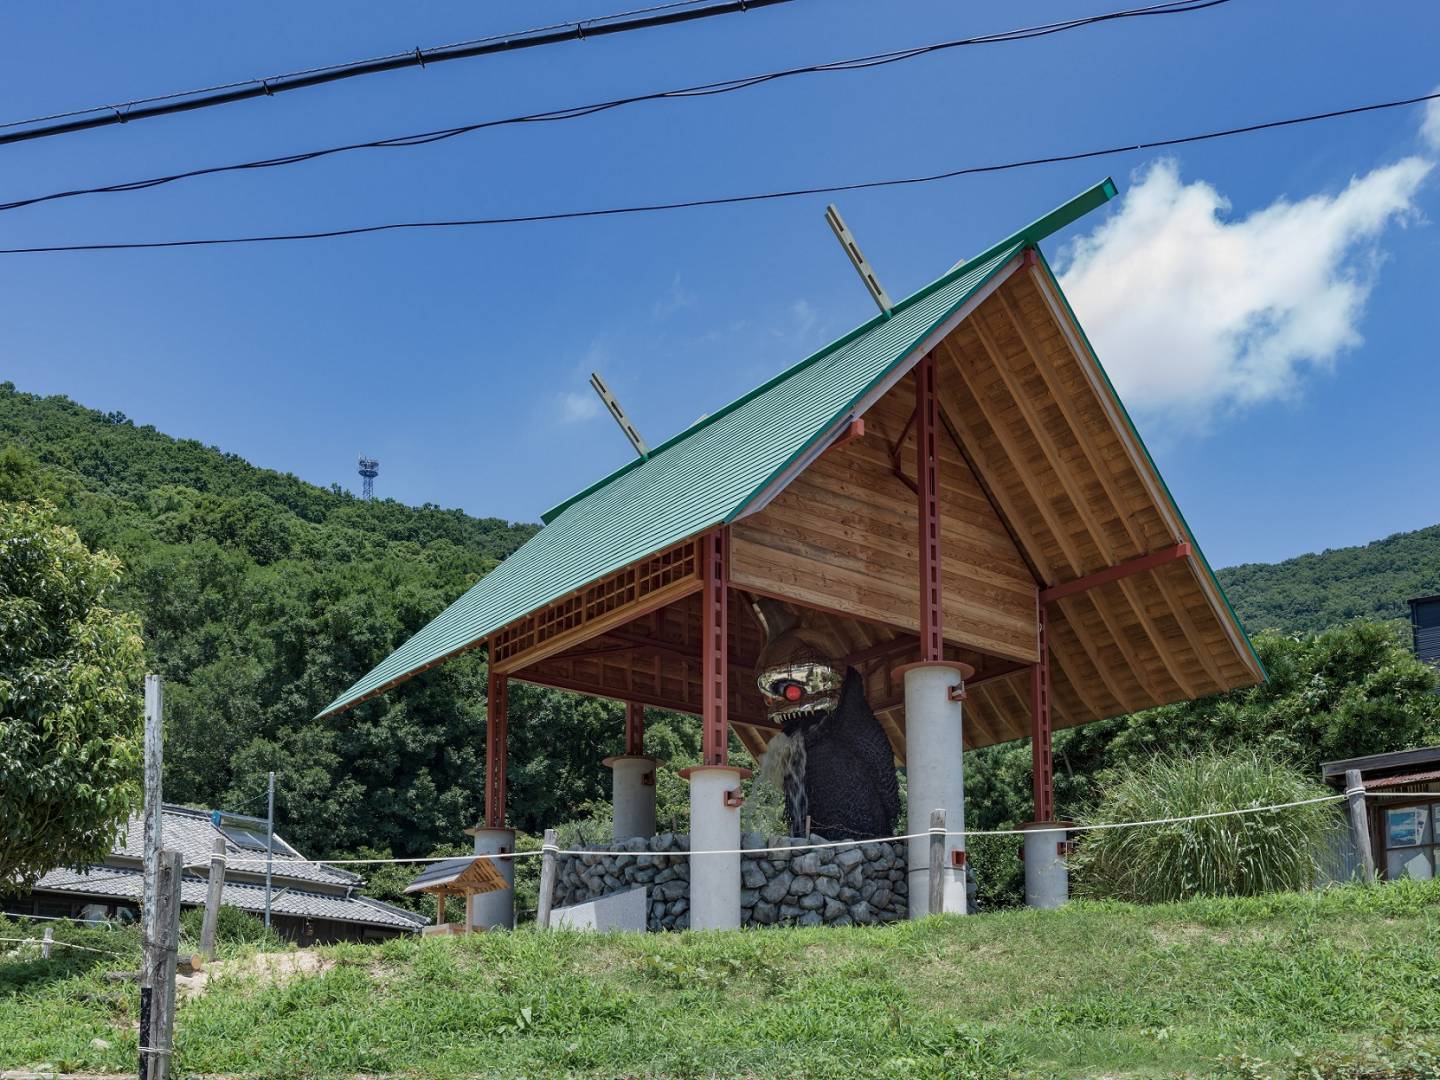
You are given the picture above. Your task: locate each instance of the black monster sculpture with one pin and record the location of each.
(832, 760)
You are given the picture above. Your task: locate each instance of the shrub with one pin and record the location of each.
(232, 927)
(1241, 855)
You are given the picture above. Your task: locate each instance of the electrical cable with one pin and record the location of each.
(583, 30)
(728, 200)
(334, 67)
(710, 89)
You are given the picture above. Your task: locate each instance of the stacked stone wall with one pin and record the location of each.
(799, 885)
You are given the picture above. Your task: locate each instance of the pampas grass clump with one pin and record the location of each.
(1241, 855)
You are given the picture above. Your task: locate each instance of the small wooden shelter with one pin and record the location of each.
(954, 480)
(467, 877)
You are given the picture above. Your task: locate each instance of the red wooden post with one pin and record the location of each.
(497, 730)
(1041, 760)
(634, 729)
(715, 568)
(927, 461)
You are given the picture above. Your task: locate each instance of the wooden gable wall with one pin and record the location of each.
(842, 537)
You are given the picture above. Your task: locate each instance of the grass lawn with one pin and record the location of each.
(1325, 984)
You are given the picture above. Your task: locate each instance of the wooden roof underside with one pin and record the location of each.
(1043, 483)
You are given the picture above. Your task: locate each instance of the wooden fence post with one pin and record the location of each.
(157, 1000)
(47, 942)
(547, 879)
(154, 798)
(1360, 822)
(937, 862)
(212, 898)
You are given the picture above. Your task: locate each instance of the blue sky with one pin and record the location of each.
(1281, 360)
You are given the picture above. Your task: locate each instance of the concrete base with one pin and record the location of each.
(495, 910)
(619, 911)
(714, 826)
(935, 778)
(1047, 876)
(633, 795)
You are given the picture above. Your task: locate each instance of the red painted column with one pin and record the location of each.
(634, 728)
(927, 464)
(714, 620)
(1041, 759)
(497, 732)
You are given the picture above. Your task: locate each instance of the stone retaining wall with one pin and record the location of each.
(807, 887)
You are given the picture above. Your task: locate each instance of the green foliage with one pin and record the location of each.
(70, 672)
(1316, 591)
(232, 927)
(1352, 690)
(1240, 855)
(261, 597)
(999, 872)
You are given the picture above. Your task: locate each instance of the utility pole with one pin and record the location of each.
(269, 844)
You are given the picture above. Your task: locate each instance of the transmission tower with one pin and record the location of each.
(369, 469)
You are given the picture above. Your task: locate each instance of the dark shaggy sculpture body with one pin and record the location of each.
(840, 772)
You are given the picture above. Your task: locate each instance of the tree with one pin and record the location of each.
(70, 701)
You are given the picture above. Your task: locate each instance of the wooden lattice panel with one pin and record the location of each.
(614, 599)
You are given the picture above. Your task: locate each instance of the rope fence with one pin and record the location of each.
(806, 846)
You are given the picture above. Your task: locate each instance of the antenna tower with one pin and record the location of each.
(369, 469)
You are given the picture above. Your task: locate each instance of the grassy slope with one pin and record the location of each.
(1091, 990)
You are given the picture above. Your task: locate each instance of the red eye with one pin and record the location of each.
(794, 691)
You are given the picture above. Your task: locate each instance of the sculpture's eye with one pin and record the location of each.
(792, 691)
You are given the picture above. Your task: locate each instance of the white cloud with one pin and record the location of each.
(576, 408)
(1194, 314)
(1430, 125)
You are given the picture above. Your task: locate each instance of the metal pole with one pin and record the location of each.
(927, 488)
(269, 844)
(212, 898)
(1041, 754)
(547, 879)
(1360, 822)
(714, 648)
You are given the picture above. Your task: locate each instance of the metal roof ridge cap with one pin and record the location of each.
(1046, 225)
(850, 407)
(769, 384)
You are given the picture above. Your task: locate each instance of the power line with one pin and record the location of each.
(861, 63)
(665, 14)
(726, 200)
(334, 67)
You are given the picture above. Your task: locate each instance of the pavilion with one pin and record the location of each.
(953, 492)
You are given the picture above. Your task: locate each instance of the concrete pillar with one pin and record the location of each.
(495, 910)
(715, 826)
(633, 795)
(1047, 873)
(935, 777)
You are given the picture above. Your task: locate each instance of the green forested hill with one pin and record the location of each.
(262, 596)
(1314, 591)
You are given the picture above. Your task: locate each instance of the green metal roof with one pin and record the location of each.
(709, 473)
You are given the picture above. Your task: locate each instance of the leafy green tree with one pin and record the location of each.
(70, 701)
